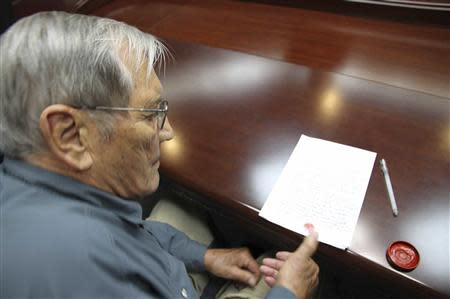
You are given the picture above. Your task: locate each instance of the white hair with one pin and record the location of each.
(71, 59)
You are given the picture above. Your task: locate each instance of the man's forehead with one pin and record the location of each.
(155, 84)
(151, 90)
(152, 102)
(141, 71)
(156, 89)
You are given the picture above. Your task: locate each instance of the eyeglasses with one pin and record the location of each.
(161, 111)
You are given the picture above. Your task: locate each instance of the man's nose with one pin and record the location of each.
(166, 133)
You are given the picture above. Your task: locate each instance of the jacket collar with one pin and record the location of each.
(128, 210)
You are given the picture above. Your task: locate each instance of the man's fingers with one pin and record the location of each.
(273, 263)
(244, 276)
(308, 246)
(252, 266)
(268, 271)
(283, 255)
(270, 281)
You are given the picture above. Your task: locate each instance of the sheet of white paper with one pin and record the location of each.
(323, 184)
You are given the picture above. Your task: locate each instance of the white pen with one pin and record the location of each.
(390, 191)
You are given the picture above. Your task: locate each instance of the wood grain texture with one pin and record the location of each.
(237, 118)
(22, 8)
(371, 83)
(409, 56)
(140, 13)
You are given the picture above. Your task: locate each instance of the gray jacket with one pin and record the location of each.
(61, 238)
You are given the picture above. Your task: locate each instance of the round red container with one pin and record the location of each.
(402, 256)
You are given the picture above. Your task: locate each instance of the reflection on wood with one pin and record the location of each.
(22, 8)
(409, 56)
(424, 4)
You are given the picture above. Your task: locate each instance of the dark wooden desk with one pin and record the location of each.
(407, 55)
(237, 117)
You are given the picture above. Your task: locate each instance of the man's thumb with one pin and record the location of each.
(308, 246)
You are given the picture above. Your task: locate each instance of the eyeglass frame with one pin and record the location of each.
(164, 110)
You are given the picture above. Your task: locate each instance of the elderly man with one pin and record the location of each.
(82, 120)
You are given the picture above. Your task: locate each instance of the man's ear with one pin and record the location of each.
(60, 127)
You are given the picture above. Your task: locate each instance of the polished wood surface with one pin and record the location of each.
(366, 82)
(410, 56)
(422, 4)
(237, 118)
(23, 8)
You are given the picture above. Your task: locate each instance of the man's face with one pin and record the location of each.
(129, 161)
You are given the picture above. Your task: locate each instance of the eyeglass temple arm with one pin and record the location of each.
(131, 109)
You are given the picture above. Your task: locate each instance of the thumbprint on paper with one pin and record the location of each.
(309, 227)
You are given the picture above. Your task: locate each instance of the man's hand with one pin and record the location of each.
(294, 270)
(235, 264)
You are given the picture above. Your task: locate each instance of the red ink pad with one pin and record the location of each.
(402, 256)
